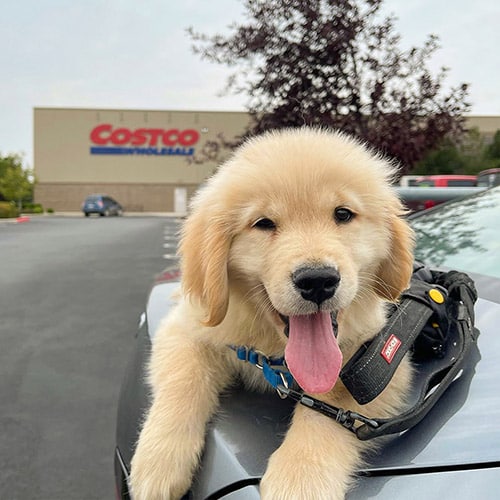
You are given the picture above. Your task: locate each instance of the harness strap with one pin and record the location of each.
(459, 352)
(372, 367)
(435, 378)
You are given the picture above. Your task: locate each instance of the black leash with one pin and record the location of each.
(346, 418)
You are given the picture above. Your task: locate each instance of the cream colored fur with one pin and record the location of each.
(237, 278)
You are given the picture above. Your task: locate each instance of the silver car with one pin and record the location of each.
(454, 452)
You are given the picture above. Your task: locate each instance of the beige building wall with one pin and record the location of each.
(155, 147)
(154, 164)
(487, 125)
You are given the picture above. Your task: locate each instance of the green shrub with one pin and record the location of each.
(32, 208)
(50, 210)
(8, 209)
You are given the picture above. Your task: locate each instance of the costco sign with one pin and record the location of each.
(108, 140)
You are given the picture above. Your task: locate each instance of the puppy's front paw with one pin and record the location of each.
(290, 487)
(302, 478)
(156, 476)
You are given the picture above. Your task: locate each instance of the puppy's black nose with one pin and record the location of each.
(316, 284)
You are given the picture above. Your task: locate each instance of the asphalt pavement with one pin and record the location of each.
(71, 293)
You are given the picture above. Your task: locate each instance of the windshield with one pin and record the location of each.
(464, 234)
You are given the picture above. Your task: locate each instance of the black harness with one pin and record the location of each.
(434, 320)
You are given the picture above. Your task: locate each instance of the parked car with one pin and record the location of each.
(408, 180)
(102, 205)
(454, 452)
(489, 178)
(446, 180)
(441, 181)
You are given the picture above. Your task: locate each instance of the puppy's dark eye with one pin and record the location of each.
(343, 215)
(265, 224)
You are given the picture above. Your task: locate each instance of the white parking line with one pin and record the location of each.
(170, 256)
(170, 241)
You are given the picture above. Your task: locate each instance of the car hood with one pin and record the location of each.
(461, 432)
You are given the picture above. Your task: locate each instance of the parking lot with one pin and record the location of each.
(71, 293)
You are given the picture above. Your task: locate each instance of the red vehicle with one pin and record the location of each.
(443, 181)
(446, 181)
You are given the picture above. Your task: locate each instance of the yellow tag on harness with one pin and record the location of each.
(436, 296)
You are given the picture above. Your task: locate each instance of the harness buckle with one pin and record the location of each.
(250, 355)
(283, 389)
(258, 359)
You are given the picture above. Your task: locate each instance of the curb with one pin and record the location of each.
(27, 218)
(14, 220)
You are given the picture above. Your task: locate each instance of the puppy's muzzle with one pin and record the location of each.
(316, 284)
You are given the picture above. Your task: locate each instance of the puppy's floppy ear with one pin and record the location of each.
(204, 250)
(395, 271)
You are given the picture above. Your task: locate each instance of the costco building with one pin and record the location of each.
(141, 158)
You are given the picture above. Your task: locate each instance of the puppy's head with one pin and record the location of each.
(303, 222)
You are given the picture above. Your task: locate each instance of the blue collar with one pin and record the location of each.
(274, 369)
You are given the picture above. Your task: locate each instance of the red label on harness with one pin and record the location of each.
(390, 348)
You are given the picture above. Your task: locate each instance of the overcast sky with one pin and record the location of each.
(136, 55)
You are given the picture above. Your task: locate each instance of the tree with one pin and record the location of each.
(447, 159)
(493, 150)
(15, 183)
(336, 63)
(470, 155)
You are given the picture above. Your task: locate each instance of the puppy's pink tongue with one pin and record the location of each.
(312, 352)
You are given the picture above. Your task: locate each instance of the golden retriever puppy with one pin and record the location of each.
(296, 226)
